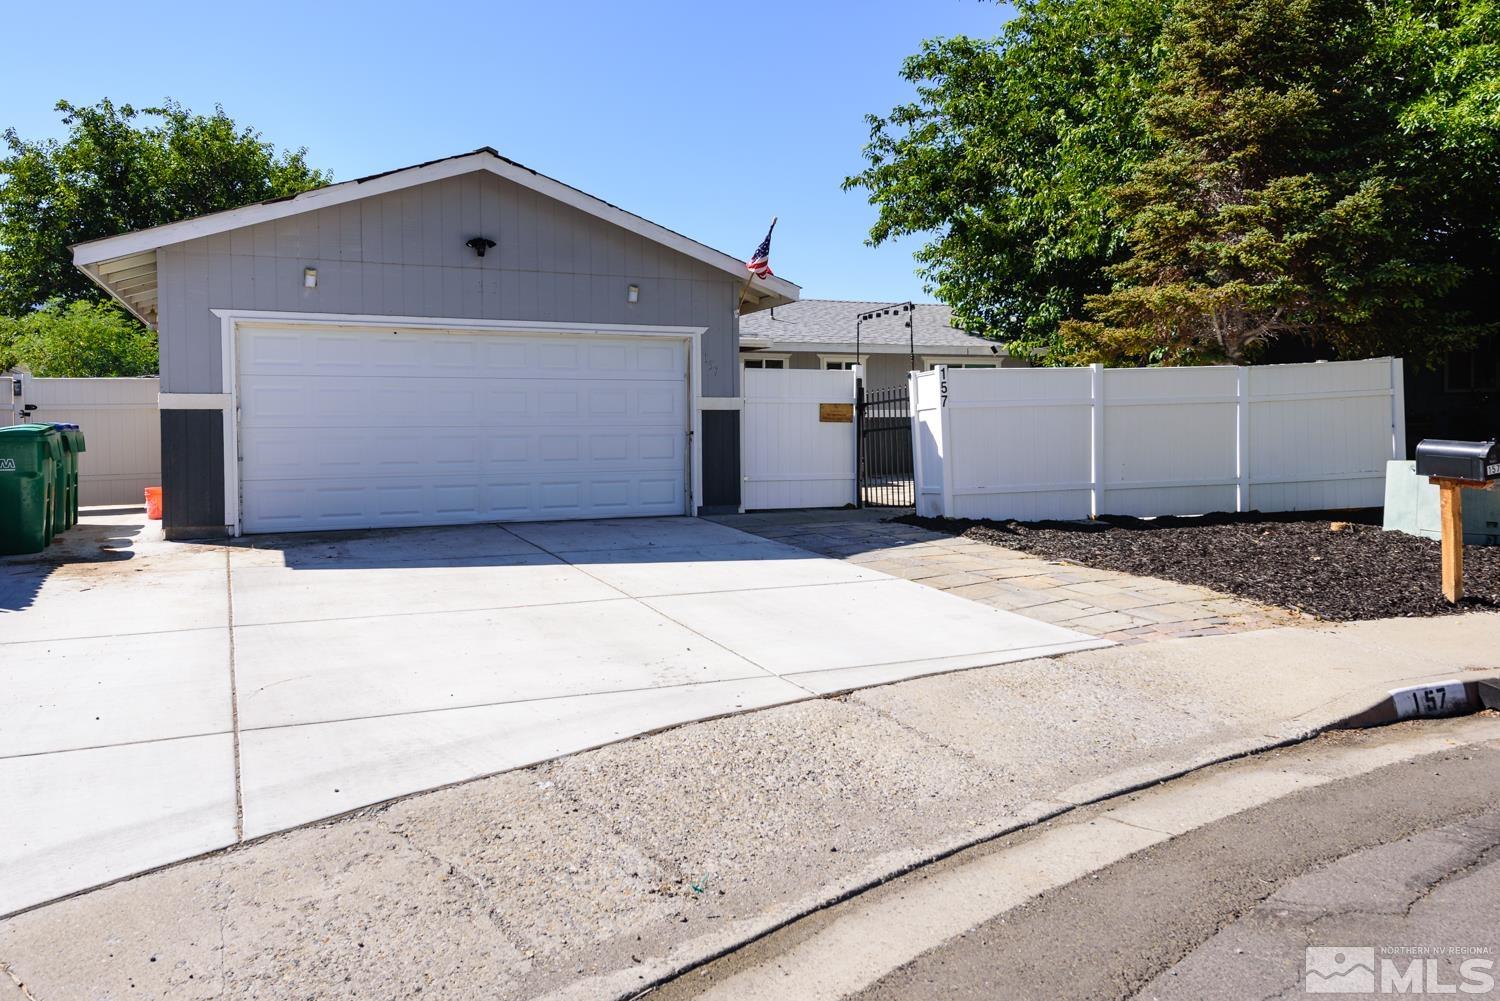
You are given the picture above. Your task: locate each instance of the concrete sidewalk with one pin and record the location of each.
(598, 874)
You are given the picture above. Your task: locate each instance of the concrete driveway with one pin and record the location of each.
(161, 700)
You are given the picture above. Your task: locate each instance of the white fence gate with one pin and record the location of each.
(121, 430)
(1042, 443)
(798, 445)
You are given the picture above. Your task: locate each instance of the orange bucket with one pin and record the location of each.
(153, 503)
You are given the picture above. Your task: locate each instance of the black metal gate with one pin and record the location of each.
(884, 431)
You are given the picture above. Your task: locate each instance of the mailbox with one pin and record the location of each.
(1470, 461)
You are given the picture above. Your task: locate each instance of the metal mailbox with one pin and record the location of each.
(1470, 461)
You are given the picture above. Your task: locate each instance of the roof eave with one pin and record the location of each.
(114, 247)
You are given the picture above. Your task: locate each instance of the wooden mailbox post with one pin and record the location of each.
(1453, 467)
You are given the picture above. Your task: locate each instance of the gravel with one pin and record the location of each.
(1337, 565)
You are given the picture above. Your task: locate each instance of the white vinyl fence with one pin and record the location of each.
(121, 430)
(1043, 443)
(795, 451)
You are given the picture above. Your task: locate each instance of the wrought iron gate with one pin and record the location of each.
(884, 431)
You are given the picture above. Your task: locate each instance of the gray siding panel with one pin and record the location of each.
(403, 254)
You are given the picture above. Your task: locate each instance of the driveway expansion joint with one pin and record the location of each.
(234, 704)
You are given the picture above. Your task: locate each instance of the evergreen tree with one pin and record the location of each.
(1268, 211)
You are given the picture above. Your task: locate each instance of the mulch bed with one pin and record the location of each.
(1291, 560)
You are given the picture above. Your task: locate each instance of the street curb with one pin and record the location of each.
(1482, 693)
(1479, 695)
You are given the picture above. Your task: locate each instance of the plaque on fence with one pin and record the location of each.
(836, 413)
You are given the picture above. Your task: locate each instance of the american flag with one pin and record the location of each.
(759, 263)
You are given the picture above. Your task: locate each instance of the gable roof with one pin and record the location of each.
(820, 324)
(125, 265)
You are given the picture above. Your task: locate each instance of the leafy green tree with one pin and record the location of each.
(77, 340)
(121, 169)
(1272, 209)
(1006, 159)
(1348, 156)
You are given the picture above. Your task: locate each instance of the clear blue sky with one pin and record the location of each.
(707, 117)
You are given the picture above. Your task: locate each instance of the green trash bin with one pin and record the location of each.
(29, 457)
(60, 484)
(72, 442)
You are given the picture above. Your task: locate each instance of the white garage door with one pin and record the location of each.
(355, 428)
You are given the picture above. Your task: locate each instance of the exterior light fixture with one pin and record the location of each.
(633, 294)
(309, 277)
(479, 244)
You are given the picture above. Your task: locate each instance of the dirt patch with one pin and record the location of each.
(1291, 560)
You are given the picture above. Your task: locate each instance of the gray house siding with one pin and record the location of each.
(403, 254)
(881, 370)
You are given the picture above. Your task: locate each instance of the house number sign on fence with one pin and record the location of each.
(836, 413)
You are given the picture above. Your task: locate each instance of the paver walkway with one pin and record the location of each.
(1116, 606)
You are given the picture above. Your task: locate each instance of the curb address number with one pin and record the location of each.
(1430, 700)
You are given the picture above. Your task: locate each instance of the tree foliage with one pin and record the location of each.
(120, 169)
(1207, 176)
(77, 340)
(1007, 156)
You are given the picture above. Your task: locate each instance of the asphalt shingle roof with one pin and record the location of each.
(831, 321)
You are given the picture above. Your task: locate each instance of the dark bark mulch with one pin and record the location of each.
(1291, 560)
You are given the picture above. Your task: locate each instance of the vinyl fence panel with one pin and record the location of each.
(792, 456)
(1022, 441)
(121, 429)
(1033, 444)
(1320, 435)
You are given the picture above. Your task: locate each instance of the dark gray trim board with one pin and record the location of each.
(192, 473)
(721, 461)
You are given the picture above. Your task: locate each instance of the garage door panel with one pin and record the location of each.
(348, 428)
(347, 401)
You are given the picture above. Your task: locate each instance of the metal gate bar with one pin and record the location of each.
(885, 464)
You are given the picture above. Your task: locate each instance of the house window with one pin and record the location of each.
(765, 363)
(1476, 371)
(838, 366)
(933, 363)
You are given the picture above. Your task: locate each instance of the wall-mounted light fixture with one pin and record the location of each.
(479, 244)
(309, 277)
(633, 294)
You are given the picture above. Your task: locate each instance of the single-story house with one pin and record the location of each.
(820, 333)
(457, 341)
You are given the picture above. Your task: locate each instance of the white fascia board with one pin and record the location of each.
(126, 244)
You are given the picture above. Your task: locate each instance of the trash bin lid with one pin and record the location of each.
(46, 433)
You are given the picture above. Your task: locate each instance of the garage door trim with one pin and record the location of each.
(232, 320)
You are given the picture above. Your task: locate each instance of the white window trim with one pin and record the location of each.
(928, 361)
(230, 320)
(824, 359)
(785, 359)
